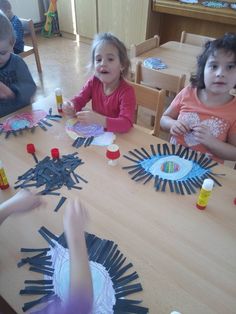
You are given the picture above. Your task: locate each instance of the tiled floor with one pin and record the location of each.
(64, 64)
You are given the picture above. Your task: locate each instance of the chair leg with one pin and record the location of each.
(38, 63)
(152, 122)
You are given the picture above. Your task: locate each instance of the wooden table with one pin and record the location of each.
(185, 257)
(180, 58)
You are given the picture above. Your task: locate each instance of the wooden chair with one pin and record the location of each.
(172, 84)
(136, 50)
(194, 39)
(28, 27)
(160, 80)
(152, 99)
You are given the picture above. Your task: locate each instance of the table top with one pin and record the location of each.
(185, 257)
(180, 58)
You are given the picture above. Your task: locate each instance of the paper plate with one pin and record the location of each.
(76, 129)
(189, 1)
(23, 120)
(154, 63)
(215, 4)
(233, 6)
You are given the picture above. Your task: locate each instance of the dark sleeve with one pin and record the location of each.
(24, 86)
(19, 32)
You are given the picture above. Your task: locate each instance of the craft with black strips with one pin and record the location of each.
(52, 174)
(102, 251)
(82, 141)
(43, 124)
(177, 168)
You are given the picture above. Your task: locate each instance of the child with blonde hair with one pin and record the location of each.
(113, 99)
(16, 83)
(5, 6)
(203, 115)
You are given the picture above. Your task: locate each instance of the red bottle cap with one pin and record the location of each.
(55, 153)
(113, 152)
(4, 186)
(200, 207)
(30, 148)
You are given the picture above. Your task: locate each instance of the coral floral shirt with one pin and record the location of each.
(220, 120)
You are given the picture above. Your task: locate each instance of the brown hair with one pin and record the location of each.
(227, 43)
(111, 39)
(6, 30)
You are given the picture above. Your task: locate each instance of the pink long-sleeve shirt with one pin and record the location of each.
(118, 107)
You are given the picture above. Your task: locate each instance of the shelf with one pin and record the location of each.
(196, 11)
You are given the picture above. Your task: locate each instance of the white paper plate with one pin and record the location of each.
(189, 1)
(233, 6)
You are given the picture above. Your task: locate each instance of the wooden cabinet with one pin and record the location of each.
(127, 19)
(66, 16)
(174, 16)
(86, 18)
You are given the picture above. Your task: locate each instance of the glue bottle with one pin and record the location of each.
(59, 99)
(3, 178)
(205, 193)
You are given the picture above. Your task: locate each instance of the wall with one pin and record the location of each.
(28, 9)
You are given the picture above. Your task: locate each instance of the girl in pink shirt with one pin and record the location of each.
(113, 99)
(203, 115)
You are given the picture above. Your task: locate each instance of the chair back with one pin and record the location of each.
(157, 79)
(194, 39)
(29, 30)
(136, 50)
(152, 99)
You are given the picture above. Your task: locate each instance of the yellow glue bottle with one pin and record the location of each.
(59, 99)
(205, 193)
(3, 178)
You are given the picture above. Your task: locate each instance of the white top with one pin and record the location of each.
(208, 184)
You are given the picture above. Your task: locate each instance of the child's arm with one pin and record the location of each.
(70, 108)
(81, 291)
(25, 87)
(125, 119)
(223, 150)
(19, 32)
(22, 201)
(170, 123)
(90, 117)
(6, 92)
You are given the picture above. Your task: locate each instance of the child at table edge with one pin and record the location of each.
(203, 115)
(16, 84)
(5, 6)
(80, 298)
(113, 99)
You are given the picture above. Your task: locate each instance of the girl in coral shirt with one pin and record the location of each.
(203, 115)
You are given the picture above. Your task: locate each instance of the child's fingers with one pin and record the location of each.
(81, 211)
(68, 107)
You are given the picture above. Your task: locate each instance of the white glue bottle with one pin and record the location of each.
(205, 193)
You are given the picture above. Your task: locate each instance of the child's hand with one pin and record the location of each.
(74, 219)
(202, 134)
(23, 201)
(6, 92)
(179, 128)
(69, 109)
(91, 117)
